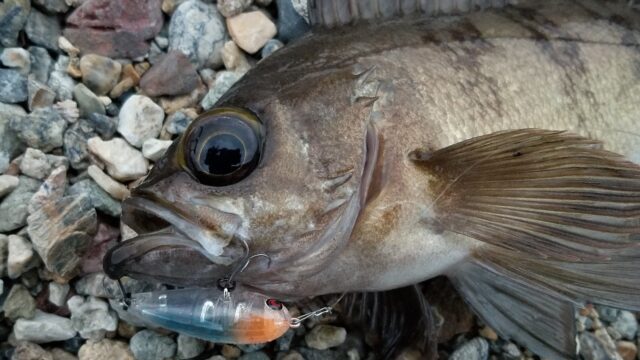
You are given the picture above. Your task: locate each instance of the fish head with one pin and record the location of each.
(276, 173)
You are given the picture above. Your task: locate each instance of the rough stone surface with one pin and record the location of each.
(172, 74)
(251, 30)
(40, 95)
(122, 160)
(41, 63)
(14, 208)
(105, 349)
(60, 81)
(234, 59)
(43, 30)
(53, 6)
(35, 164)
(52, 189)
(270, 47)
(75, 143)
(189, 347)
(13, 15)
(20, 256)
(178, 121)
(153, 149)
(140, 119)
(60, 232)
(597, 346)
(58, 293)
(19, 304)
(324, 337)
(475, 349)
(18, 58)
(29, 351)
(197, 30)
(292, 19)
(7, 184)
(10, 145)
(233, 7)
(13, 86)
(99, 73)
(149, 345)
(224, 81)
(100, 199)
(91, 318)
(626, 324)
(42, 129)
(114, 188)
(88, 102)
(44, 328)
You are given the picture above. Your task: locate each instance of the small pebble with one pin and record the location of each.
(123, 162)
(42, 129)
(153, 149)
(251, 30)
(65, 45)
(58, 293)
(234, 59)
(99, 73)
(41, 63)
(626, 325)
(270, 47)
(149, 345)
(43, 328)
(100, 199)
(43, 30)
(18, 58)
(105, 349)
(13, 86)
(475, 349)
(35, 164)
(59, 81)
(88, 102)
(14, 208)
(488, 333)
(51, 190)
(114, 188)
(258, 355)
(627, 350)
(92, 317)
(7, 184)
(230, 351)
(292, 19)
(189, 347)
(40, 96)
(224, 81)
(19, 304)
(29, 351)
(324, 337)
(177, 122)
(173, 74)
(233, 7)
(20, 256)
(140, 119)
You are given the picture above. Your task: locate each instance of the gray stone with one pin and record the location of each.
(43, 30)
(270, 47)
(153, 149)
(39, 94)
(197, 29)
(626, 324)
(607, 314)
(60, 81)
(104, 125)
(19, 303)
(91, 318)
(258, 355)
(597, 346)
(251, 347)
(75, 143)
(18, 58)
(53, 6)
(58, 293)
(8, 183)
(20, 256)
(35, 164)
(284, 342)
(42, 129)
(100, 199)
(233, 7)
(99, 73)
(88, 102)
(511, 351)
(13, 15)
(29, 351)
(96, 284)
(105, 349)
(323, 337)
(140, 119)
(291, 21)
(4, 253)
(13, 86)
(51, 190)
(149, 345)
(177, 122)
(61, 231)
(475, 349)
(14, 207)
(123, 162)
(41, 63)
(44, 328)
(10, 145)
(313, 354)
(189, 347)
(224, 81)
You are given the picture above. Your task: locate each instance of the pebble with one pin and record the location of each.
(475, 349)
(13, 86)
(52, 189)
(40, 95)
(20, 256)
(88, 102)
(19, 303)
(93, 285)
(65, 45)
(173, 104)
(58, 293)
(35, 164)
(53, 6)
(60, 232)
(18, 58)
(10, 145)
(597, 346)
(7, 184)
(230, 351)
(105, 349)
(42, 129)
(29, 351)
(99, 73)
(189, 347)
(13, 15)
(41, 63)
(153, 149)
(197, 30)
(270, 47)
(251, 347)
(59, 354)
(224, 81)
(114, 188)
(75, 143)
(626, 324)
(234, 59)
(251, 30)
(91, 318)
(100, 199)
(173, 74)
(510, 351)
(178, 122)
(14, 208)
(140, 119)
(488, 333)
(627, 350)
(60, 81)
(44, 328)
(104, 125)
(149, 345)
(292, 19)
(230, 8)
(123, 162)
(43, 30)
(324, 337)
(313, 354)
(258, 355)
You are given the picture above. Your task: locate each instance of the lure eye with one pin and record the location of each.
(223, 146)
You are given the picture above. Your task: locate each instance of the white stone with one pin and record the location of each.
(66, 46)
(35, 164)
(16, 58)
(234, 59)
(123, 162)
(91, 318)
(224, 81)
(114, 188)
(58, 293)
(153, 149)
(140, 119)
(20, 256)
(43, 328)
(251, 30)
(7, 184)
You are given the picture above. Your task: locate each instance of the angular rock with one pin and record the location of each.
(59, 354)
(475, 349)
(99, 73)
(105, 349)
(140, 119)
(13, 15)
(197, 30)
(189, 347)
(293, 18)
(13, 86)
(42, 129)
(75, 143)
(123, 162)
(88, 102)
(44, 328)
(35, 164)
(100, 199)
(597, 346)
(43, 30)
(10, 145)
(41, 63)
(19, 303)
(53, 6)
(251, 30)
(30, 351)
(323, 337)
(58, 293)
(224, 81)
(60, 232)
(234, 59)
(233, 7)
(626, 324)
(149, 345)
(104, 125)
(173, 104)
(14, 207)
(114, 188)
(60, 81)
(114, 28)
(20, 256)
(153, 149)
(7, 184)
(40, 95)
(68, 109)
(172, 74)
(91, 318)
(18, 58)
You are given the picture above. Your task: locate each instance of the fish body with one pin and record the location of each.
(499, 148)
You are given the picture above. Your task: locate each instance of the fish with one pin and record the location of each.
(499, 148)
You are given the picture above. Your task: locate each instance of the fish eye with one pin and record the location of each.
(222, 146)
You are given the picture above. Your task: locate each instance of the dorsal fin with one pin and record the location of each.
(332, 13)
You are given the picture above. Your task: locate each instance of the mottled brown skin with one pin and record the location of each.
(412, 84)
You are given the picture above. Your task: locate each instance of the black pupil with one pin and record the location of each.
(223, 154)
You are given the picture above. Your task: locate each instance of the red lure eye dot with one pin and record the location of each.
(274, 304)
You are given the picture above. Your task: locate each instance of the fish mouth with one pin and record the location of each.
(173, 247)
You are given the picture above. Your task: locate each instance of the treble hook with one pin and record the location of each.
(227, 283)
